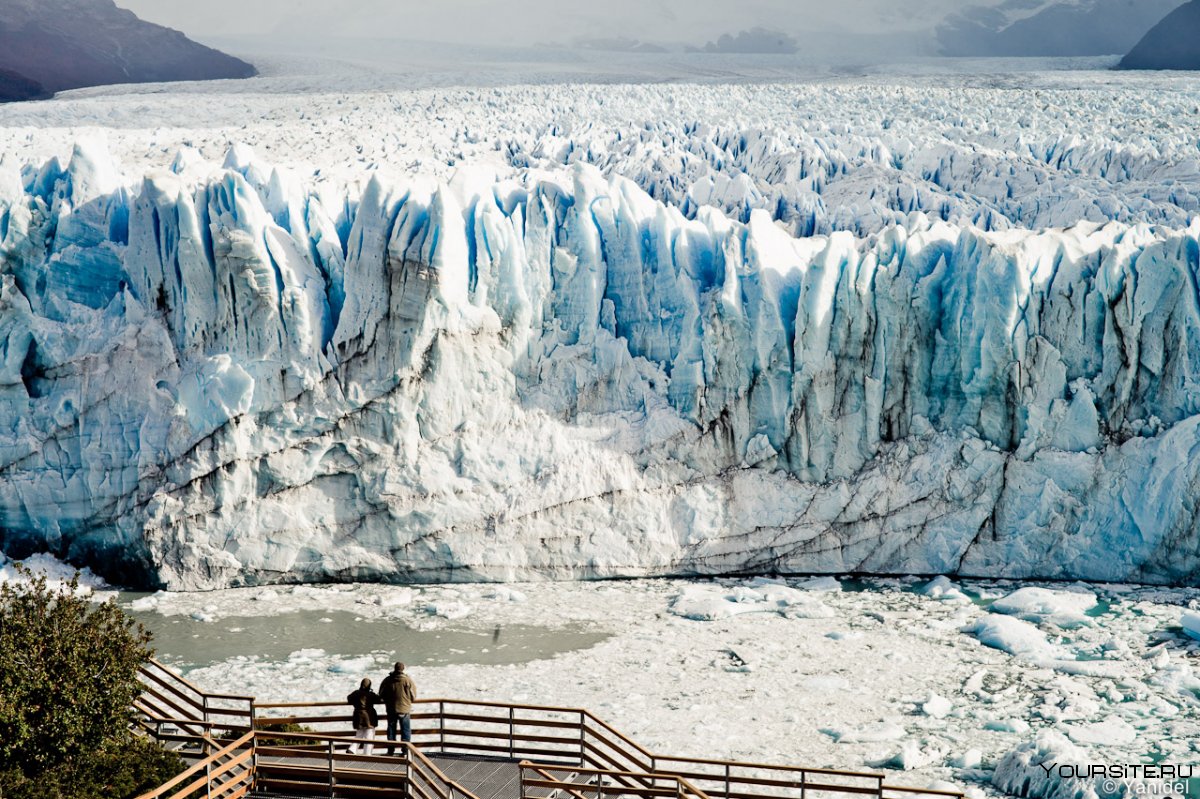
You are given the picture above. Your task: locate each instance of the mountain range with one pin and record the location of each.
(1171, 44)
(1040, 28)
(48, 46)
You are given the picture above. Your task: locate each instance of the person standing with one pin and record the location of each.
(365, 716)
(398, 692)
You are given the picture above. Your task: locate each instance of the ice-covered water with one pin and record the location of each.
(971, 682)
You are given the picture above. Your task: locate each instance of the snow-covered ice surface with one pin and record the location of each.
(887, 676)
(308, 328)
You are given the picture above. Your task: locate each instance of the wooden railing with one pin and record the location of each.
(227, 773)
(573, 736)
(540, 735)
(168, 695)
(325, 765)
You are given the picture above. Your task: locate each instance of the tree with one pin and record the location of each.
(68, 677)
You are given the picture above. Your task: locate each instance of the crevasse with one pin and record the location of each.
(238, 378)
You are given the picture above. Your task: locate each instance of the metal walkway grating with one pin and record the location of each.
(487, 778)
(490, 777)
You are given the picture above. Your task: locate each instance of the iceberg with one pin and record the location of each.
(224, 376)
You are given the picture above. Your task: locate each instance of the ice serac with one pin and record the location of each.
(241, 378)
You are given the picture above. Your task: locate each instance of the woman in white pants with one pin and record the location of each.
(365, 718)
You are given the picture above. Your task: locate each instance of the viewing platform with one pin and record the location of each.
(238, 747)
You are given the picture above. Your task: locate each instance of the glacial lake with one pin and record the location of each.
(186, 641)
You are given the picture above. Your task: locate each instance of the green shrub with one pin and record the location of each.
(126, 770)
(68, 676)
(267, 726)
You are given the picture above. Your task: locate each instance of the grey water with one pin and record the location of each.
(184, 641)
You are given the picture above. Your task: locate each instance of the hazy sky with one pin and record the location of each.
(528, 21)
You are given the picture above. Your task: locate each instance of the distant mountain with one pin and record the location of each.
(14, 86)
(65, 44)
(1174, 43)
(755, 40)
(1050, 27)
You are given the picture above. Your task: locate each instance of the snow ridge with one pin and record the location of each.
(239, 378)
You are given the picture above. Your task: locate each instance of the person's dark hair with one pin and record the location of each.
(399, 667)
(366, 683)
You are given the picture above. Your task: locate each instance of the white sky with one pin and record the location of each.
(528, 21)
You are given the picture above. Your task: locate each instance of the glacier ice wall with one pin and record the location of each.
(229, 376)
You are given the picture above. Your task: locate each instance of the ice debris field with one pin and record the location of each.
(936, 682)
(280, 332)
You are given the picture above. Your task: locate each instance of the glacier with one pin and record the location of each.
(225, 375)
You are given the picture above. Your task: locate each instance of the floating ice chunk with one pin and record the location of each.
(506, 594)
(937, 706)
(1191, 623)
(395, 599)
(1060, 608)
(359, 665)
(745, 595)
(1090, 668)
(1176, 676)
(972, 758)
(204, 616)
(1016, 637)
(144, 604)
(1020, 772)
(941, 587)
(820, 584)
(807, 609)
(910, 756)
(1109, 732)
(703, 603)
(449, 610)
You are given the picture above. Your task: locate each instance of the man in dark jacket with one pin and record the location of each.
(398, 692)
(365, 717)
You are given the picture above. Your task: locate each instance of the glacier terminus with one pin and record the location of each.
(228, 373)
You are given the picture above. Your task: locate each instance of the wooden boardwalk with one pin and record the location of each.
(242, 748)
(483, 777)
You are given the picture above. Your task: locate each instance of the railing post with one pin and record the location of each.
(208, 778)
(204, 707)
(582, 744)
(331, 779)
(727, 783)
(511, 731)
(442, 725)
(253, 754)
